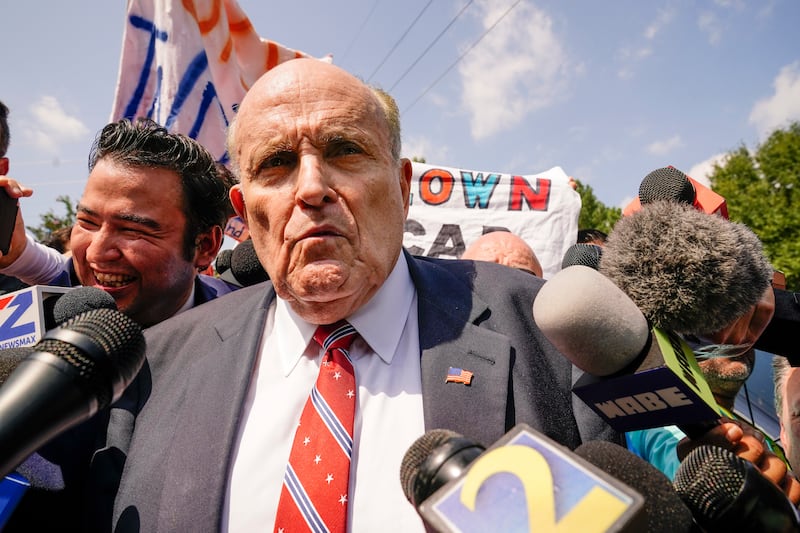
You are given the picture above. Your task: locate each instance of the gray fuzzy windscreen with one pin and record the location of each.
(689, 272)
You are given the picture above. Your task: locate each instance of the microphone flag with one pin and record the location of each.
(665, 387)
(22, 315)
(528, 482)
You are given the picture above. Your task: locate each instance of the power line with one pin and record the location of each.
(403, 75)
(418, 98)
(358, 33)
(402, 37)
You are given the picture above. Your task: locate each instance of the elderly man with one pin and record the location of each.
(215, 443)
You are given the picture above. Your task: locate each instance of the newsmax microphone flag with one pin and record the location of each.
(24, 315)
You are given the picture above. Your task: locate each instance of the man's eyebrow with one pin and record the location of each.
(126, 217)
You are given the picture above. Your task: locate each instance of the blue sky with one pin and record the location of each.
(606, 90)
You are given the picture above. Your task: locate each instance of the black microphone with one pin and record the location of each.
(667, 183)
(582, 254)
(10, 358)
(223, 261)
(434, 459)
(525, 481)
(727, 493)
(664, 509)
(74, 371)
(245, 268)
(78, 301)
(671, 184)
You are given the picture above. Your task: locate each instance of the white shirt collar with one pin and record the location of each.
(380, 321)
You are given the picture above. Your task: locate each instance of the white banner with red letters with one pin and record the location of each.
(451, 207)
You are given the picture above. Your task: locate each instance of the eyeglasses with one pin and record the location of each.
(703, 352)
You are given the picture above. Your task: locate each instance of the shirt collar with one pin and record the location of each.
(380, 322)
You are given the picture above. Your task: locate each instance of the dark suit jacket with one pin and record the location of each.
(475, 316)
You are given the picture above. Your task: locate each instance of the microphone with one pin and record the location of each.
(664, 509)
(245, 268)
(582, 254)
(10, 358)
(434, 459)
(223, 261)
(78, 301)
(66, 306)
(727, 493)
(637, 377)
(667, 183)
(590, 320)
(524, 482)
(687, 272)
(76, 370)
(671, 184)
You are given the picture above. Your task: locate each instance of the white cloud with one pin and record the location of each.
(435, 153)
(701, 171)
(711, 26)
(783, 106)
(663, 18)
(665, 146)
(518, 68)
(51, 126)
(728, 4)
(629, 56)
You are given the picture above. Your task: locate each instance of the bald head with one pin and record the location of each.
(504, 248)
(314, 77)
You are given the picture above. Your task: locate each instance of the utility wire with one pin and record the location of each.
(418, 98)
(402, 37)
(404, 74)
(358, 33)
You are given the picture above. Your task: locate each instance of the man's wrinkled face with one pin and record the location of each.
(322, 195)
(128, 240)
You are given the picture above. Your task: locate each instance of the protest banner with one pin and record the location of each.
(451, 207)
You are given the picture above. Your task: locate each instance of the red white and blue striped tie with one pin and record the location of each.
(315, 495)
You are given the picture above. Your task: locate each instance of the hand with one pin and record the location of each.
(18, 238)
(748, 443)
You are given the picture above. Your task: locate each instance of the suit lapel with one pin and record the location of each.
(449, 314)
(207, 427)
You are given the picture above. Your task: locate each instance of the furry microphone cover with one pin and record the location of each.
(688, 272)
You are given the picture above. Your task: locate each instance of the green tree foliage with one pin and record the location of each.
(52, 222)
(762, 190)
(594, 213)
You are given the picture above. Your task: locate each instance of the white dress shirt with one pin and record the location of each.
(389, 416)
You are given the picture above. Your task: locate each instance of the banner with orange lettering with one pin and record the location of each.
(187, 64)
(451, 207)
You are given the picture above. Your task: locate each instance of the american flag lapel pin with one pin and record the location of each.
(458, 375)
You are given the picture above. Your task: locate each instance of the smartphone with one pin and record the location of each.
(8, 219)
